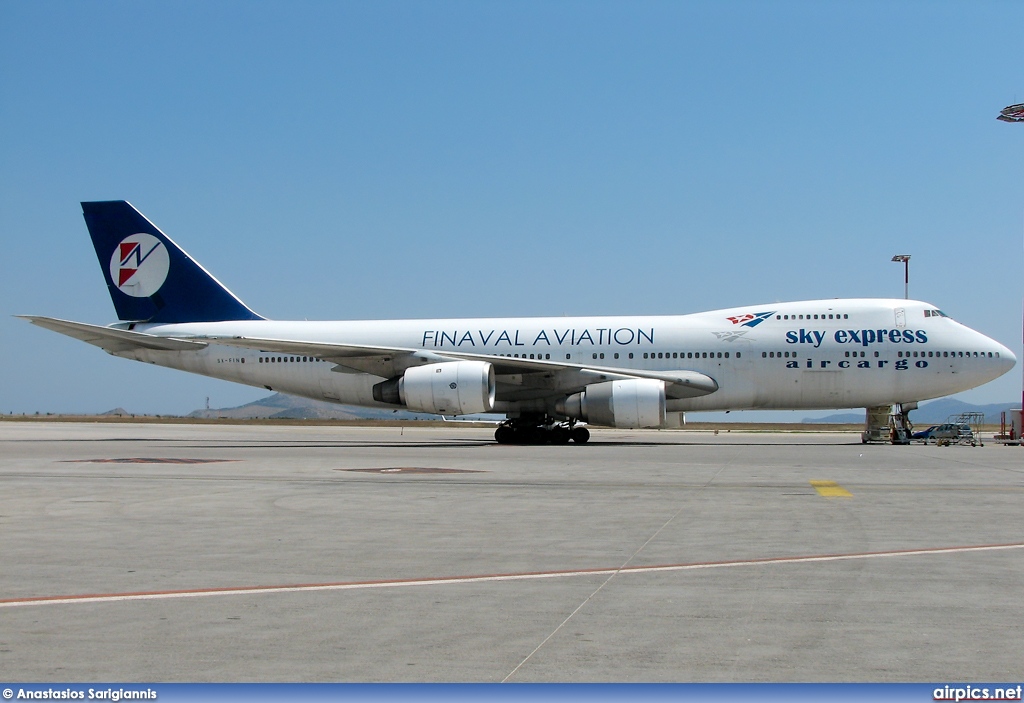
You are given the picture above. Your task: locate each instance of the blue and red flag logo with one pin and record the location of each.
(750, 319)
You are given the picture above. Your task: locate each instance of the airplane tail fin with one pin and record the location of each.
(150, 278)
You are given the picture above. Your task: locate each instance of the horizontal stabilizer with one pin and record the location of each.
(113, 340)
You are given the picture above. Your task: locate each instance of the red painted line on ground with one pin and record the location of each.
(483, 578)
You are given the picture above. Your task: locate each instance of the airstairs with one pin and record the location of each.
(888, 424)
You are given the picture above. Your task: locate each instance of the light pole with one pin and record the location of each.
(905, 258)
(1014, 113)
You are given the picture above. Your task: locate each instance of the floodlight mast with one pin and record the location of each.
(905, 258)
(1012, 113)
(1015, 113)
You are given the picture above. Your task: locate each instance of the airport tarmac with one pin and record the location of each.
(140, 552)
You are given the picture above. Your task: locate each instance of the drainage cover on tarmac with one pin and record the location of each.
(146, 460)
(413, 470)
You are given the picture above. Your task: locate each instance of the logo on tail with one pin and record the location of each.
(139, 265)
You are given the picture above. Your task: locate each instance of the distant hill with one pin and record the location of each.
(290, 407)
(931, 413)
(280, 406)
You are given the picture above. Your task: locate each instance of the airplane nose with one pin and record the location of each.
(1007, 357)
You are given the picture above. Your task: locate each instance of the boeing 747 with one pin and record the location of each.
(548, 376)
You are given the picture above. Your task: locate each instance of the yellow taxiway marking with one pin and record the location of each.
(831, 489)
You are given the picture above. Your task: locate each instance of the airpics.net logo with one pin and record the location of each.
(139, 265)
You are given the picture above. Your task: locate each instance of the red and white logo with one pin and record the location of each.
(139, 265)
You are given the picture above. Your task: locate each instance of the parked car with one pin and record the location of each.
(924, 434)
(951, 432)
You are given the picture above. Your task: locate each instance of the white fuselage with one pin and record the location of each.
(801, 355)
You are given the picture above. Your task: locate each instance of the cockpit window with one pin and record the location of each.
(935, 313)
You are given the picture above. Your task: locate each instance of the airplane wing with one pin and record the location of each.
(529, 374)
(113, 340)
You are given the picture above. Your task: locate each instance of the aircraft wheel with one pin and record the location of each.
(504, 435)
(560, 435)
(536, 435)
(580, 435)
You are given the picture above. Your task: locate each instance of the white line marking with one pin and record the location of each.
(529, 576)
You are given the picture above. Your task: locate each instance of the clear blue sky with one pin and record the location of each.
(339, 160)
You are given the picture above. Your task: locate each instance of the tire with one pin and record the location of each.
(580, 435)
(560, 435)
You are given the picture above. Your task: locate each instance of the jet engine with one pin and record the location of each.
(448, 388)
(626, 404)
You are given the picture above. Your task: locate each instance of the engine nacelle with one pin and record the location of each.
(448, 388)
(626, 404)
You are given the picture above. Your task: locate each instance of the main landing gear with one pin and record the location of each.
(540, 429)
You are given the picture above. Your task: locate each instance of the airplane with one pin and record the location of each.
(550, 377)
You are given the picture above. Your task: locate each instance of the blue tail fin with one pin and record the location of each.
(150, 278)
